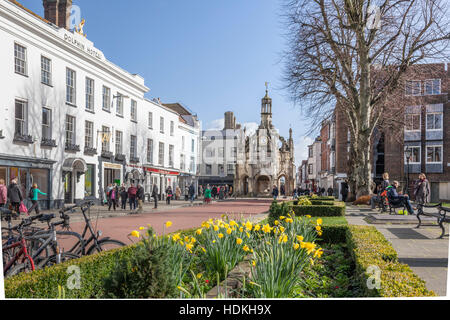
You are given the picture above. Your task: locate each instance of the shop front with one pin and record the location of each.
(29, 171)
(73, 169)
(112, 173)
(162, 178)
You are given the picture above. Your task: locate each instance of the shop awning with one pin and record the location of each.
(74, 164)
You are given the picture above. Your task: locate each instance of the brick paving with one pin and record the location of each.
(419, 248)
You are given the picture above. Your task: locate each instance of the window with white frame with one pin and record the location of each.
(89, 94)
(434, 121)
(119, 105)
(433, 87)
(310, 169)
(413, 88)
(46, 71)
(171, 155)
(182, 162)
(434, 154)
(161, 154)
(193, 146)
(415, 155)
(20, 59)
(119, 142)
(208, 169)
(133, 110)
(70, 86)
(210, 152)
(21, 118)
(89, 134)
(150, 120)
(70, 130)
(46, 123)
(230, 168)
(149, 151)
(106, 99)
(172, 128)
(183, 142)
(105, 138)
(412, 122)
(133, 146)
(161, 124)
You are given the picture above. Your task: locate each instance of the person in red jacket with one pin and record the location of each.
(132, 190)
(3, 193)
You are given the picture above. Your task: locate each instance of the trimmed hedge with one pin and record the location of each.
(369, 247)
(335, 210)
(44, 283)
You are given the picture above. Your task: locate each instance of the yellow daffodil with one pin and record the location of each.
(296, 246)
(318, 228)
(318, 253)
(282, 217)
(276, 222)
(189, 246)
(141, 228)
(239, 241)
(289, 220)
(267, 228)
(248, 235)
(300, 238)
(181, 243)
(199, 231)
(233, 223)
(249, 226)
(254, 263)
(220, 235)
(257, 227)
(168, 224)
(216, 228)
(199, 275)
(135, 234)
(176, 237)
(308, 216)
(186, 239)
(282, 229)
(246, 248)
(229, 231)
(319, 221)
(204, 250)
(193, 240)
(241, 229)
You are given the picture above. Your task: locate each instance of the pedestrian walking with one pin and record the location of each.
(169, 194)
(275, 192)
(3, 193)
(330, 191)
(140, 195)
(186, 193)
(192, 193)
(34, 197)
(177, 193)
(422, 190)
(208, 195)
(155, 195)
(123, 197)
(214, 192)
(344, 190)
(132, 190)
(112, 195)
(14, 196)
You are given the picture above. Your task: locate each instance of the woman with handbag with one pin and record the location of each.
(422, 190)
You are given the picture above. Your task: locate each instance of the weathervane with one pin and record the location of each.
(267, 86)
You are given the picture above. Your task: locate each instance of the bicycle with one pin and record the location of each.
(16, 258)
(99, 245)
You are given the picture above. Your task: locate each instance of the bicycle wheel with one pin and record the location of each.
(19, 268)
(51, 261)
(105, 245)
(70, 242)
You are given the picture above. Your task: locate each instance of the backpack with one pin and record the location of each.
(30, 194)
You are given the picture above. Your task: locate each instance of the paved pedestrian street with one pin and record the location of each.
(419, 248)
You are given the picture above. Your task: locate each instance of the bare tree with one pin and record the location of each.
(354, 55)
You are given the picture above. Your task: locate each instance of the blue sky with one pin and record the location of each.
(211, 55)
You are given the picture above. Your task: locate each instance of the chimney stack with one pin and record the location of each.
(58, 12)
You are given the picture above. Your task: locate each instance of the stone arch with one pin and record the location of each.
(263, 185)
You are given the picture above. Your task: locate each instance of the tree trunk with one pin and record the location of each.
(361, 173)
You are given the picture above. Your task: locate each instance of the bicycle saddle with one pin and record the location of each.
(47, 217)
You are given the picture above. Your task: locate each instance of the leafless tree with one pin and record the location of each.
(355, 54)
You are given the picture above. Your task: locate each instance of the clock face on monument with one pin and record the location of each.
(263, 140)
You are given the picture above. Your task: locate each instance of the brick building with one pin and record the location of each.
(426, 118)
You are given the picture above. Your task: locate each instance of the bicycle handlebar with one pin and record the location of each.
(27, 222)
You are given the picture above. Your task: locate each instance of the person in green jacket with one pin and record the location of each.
(208, 194)
(34, 193)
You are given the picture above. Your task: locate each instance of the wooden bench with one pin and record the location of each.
(393, 206)
(440, 215)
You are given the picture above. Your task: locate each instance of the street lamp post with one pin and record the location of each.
(408, 154)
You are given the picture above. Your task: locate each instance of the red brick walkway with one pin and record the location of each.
(182, 218)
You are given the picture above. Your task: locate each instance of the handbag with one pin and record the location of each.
(23, 208)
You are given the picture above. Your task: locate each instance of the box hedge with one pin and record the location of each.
(335, 210)
(370, 249)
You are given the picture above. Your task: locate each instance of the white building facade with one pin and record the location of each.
(72, 121)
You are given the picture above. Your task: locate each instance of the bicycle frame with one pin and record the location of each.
(77, 248)
(23, 252)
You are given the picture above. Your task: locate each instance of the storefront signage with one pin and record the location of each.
(154, 170)
(112, 166)
(82, 44)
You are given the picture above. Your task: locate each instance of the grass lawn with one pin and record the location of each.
(328, 221)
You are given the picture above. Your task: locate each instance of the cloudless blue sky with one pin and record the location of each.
(211, 55)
